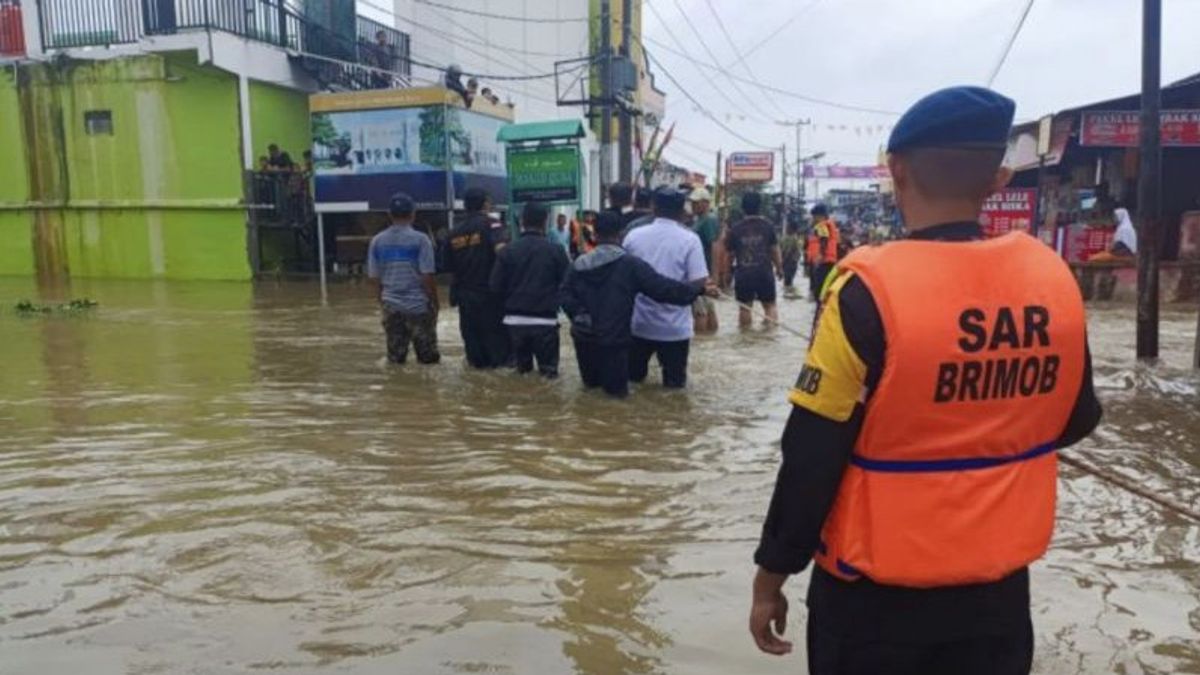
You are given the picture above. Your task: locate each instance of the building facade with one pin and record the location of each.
(138, 125)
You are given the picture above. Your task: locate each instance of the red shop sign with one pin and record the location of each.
(1121, 129)
(1009, 210)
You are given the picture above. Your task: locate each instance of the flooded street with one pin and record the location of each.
(222, 478)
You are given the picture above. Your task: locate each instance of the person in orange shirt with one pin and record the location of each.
(822, 249)
(919, 464)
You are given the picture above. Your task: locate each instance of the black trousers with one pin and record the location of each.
(672, 357)
(816, 278)
(790, 267)
(535, 342)
(485, 338)
(829, 654)
(604, 366)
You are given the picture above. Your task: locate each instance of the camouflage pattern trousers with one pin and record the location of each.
(403, 328)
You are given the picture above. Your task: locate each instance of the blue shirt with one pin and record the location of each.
(674, 251)
(560, 237)
(399, 257)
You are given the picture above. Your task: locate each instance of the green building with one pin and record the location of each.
(133, 144)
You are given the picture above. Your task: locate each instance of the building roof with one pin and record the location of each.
(541, 131)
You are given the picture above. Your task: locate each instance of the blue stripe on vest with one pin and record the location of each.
(385, 254)
(933, 465)
(847, 569)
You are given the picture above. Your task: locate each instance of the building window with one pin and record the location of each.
(98, 122)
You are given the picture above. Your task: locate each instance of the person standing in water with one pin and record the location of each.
(919, 464)
(527, 276)
(400, 264)
(753, 261)
(705, 225)
(599, 295)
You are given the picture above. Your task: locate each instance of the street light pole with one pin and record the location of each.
(1149, 182)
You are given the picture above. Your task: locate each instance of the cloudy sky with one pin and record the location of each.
(884, 54)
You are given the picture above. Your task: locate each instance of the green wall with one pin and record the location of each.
(16, 234)
(280, 116)
(176, 138)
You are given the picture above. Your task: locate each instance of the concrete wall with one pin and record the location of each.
(159, 197)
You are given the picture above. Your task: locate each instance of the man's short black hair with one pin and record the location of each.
(608, 225)
(619, 194)
(402, 205)
(642, 199)
(751, 203)
(474, 199)
(534, 216)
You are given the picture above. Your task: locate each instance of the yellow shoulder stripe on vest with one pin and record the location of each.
(833, 378)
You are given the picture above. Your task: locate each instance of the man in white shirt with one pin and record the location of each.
(674, 251)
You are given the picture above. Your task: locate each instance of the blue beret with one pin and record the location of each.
(955, 117)
(669, 198)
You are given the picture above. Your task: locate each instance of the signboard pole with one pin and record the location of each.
(321, 256)
(1149, 182)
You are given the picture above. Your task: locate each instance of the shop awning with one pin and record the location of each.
(541, 131)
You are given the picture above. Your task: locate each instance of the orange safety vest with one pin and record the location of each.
(812, 249)
(952, 479)
(831, 244)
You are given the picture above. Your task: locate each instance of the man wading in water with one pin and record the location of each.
(919, 461)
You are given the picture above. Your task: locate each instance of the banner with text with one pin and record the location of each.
(847, 172)
(548, 175)
(1122, 129)
(1009, 210)
(750, 167)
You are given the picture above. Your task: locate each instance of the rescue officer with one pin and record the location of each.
(919, 461)
(470, 255)
(823, 248)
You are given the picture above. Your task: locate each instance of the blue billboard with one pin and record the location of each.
(368, 155)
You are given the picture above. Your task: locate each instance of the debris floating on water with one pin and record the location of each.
(26, 307)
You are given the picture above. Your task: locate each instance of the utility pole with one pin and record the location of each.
(625, 119)
(606, 96)
(783, 162)
(1149, 182)
(799, 126)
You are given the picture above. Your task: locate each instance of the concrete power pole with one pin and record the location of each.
(606, 96)
(1149, 181)
(625, 119)
(783, 163)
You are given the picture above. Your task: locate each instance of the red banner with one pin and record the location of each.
(1009, 210)
(1113, 129)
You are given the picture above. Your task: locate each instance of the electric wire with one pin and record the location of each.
(783, 92)
(707, 49)
(742, 59)
(694, 61)
(1012, 39)
(700, 106)
(503, 17)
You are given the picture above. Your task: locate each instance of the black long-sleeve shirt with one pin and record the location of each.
(816, 451)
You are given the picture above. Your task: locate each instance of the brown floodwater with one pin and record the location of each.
(225, 478)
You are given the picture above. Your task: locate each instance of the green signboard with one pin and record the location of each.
(549, 175)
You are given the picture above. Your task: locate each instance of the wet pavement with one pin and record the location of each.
(219, 477)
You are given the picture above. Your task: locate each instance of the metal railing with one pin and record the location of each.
(12, 29)
(67, 24)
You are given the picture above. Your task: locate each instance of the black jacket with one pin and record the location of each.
(471, 254)
(600, 290)
(528, 274)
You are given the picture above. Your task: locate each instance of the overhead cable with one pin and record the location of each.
(503, 17)
(658, 64)
(1012, 39)
(783, 92)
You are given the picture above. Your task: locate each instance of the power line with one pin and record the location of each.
(1012, 39)
(782, 27)
(699, 105)
(777, 90)
(741, 59)
(684, 53)
(704, 44)
(502, 17)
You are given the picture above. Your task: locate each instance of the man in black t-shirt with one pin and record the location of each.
(470, 254)
(755, 261)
